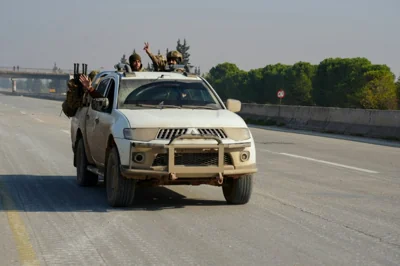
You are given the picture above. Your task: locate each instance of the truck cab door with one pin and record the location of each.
(94, 136)
(103, 125)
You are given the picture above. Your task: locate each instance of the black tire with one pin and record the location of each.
(84, 177)
(238, 191)
(120, 190)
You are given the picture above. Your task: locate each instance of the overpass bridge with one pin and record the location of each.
(35, 73)
(58, 75)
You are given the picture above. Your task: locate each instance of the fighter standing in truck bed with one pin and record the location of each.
(159, 62)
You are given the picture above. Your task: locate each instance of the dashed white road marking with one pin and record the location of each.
(321, 161)
(22, 112)
(39, 120)
(65, 131)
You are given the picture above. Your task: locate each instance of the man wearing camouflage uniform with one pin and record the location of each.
(159, 61)
(74, 98)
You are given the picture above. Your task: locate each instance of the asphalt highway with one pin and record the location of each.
(318, 200)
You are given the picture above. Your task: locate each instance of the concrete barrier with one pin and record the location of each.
(47, 96)
(359, 122)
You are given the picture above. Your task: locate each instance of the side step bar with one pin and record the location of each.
(96, 171)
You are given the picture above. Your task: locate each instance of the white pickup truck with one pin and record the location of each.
(161, 128)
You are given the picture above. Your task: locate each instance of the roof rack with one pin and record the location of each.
(186, 67)
(126, 69)
(122, 67)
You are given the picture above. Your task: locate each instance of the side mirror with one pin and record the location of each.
(100, 104)
(233, 105)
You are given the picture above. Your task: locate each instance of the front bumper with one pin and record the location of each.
(217, 160)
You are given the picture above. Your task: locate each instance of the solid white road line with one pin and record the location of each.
(321, 161)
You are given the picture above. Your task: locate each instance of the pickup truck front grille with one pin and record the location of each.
(169, 133)
(213, 131)
(193, 159)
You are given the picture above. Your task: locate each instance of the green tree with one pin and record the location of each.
(338, 81)
(379, 91)
(298, 87)
(273, 79)
(254, 89)
(398, 92)
(220, 77)
(183, 49)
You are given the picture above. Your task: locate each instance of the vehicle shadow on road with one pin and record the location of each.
(35, 193)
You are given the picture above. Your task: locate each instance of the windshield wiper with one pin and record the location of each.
(146, 105)
(199, 107)
(169, 106)
(160, 106)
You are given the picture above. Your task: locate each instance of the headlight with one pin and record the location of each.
(237, 133)
(141, 134)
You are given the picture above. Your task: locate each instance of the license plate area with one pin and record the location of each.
(183, 159)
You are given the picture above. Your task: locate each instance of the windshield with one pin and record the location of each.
(136, 94)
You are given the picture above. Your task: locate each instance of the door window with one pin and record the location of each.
(103, 86)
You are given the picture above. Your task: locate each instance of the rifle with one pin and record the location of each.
(75, 92)
(77, 75)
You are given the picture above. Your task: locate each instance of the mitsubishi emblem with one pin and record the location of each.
(193, 131)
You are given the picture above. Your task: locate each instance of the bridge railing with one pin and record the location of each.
(37, 70)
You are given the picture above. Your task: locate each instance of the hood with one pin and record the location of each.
(171, 118)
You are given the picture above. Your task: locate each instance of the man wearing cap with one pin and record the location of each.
(135, 61)
(160, 62)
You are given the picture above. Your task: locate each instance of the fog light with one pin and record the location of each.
(244, 156)
(138, 157)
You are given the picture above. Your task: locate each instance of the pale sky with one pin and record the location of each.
(249, 33)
